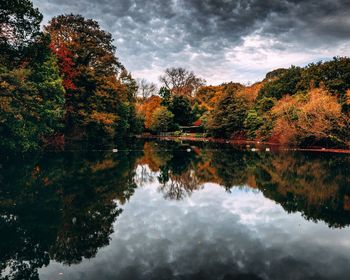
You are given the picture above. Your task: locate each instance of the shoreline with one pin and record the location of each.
(257, 144)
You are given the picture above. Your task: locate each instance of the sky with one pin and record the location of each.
(220, 40)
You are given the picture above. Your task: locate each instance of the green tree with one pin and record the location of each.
(180, 106)
(252, 123)
(162, 120)
(283, 83)
(228, 116)
(31, 104)
(165, 94)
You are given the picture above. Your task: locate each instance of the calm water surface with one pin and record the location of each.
(166, 210)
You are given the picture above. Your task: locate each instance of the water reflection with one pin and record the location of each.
(63, 208)
(317, 185)
(59, 207)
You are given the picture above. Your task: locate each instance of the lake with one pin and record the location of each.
(175, 210)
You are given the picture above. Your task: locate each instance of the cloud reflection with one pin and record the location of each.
(213, 234)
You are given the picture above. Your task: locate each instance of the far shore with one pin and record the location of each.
(249, 143)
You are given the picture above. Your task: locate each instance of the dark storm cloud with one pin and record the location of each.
(151, 35)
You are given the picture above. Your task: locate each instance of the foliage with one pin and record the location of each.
(99, 103)
(208, 96)
(252, 123)
(308, 119)
(19, 28)
(285, 83)
(31, 104)
(228, 116)
(162, 120)
(147, 109)
(66, 65)
(180, 106)
(67, 83)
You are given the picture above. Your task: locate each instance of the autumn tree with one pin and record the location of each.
(208, 96)
(308, 120)
(100, 92)
(148, 108)
(66, 65)
(181, 81)
(334, 75)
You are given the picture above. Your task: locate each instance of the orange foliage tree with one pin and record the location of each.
(147, 109)
(300, 118)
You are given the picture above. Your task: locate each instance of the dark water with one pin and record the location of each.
(175, 211)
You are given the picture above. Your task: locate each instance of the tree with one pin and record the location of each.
(92, 47)
(31, 104)
(100, 92)
(66, 65)
(146, 89)
(147, 109)
(308, 120)
(252, 123)
(19, 27)
(284, 82)
(180, 106)
(181, 81)
(334, 75)
(165, 94)
(126, 78)
(162, 120)
(208, 96)
(229, 114)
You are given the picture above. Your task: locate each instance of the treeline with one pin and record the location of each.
(64, 83)
(61, 83)
(306, 106)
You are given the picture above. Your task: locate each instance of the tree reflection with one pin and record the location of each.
(317, 185)
(60, 207)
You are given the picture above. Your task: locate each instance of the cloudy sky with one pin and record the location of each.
(220, 40)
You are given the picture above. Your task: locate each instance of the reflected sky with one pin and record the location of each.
(212, 234)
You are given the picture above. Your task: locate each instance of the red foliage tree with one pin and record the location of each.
(66, 65)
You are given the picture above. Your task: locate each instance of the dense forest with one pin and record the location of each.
(299, 106)
(64, 83)
(60, 84)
